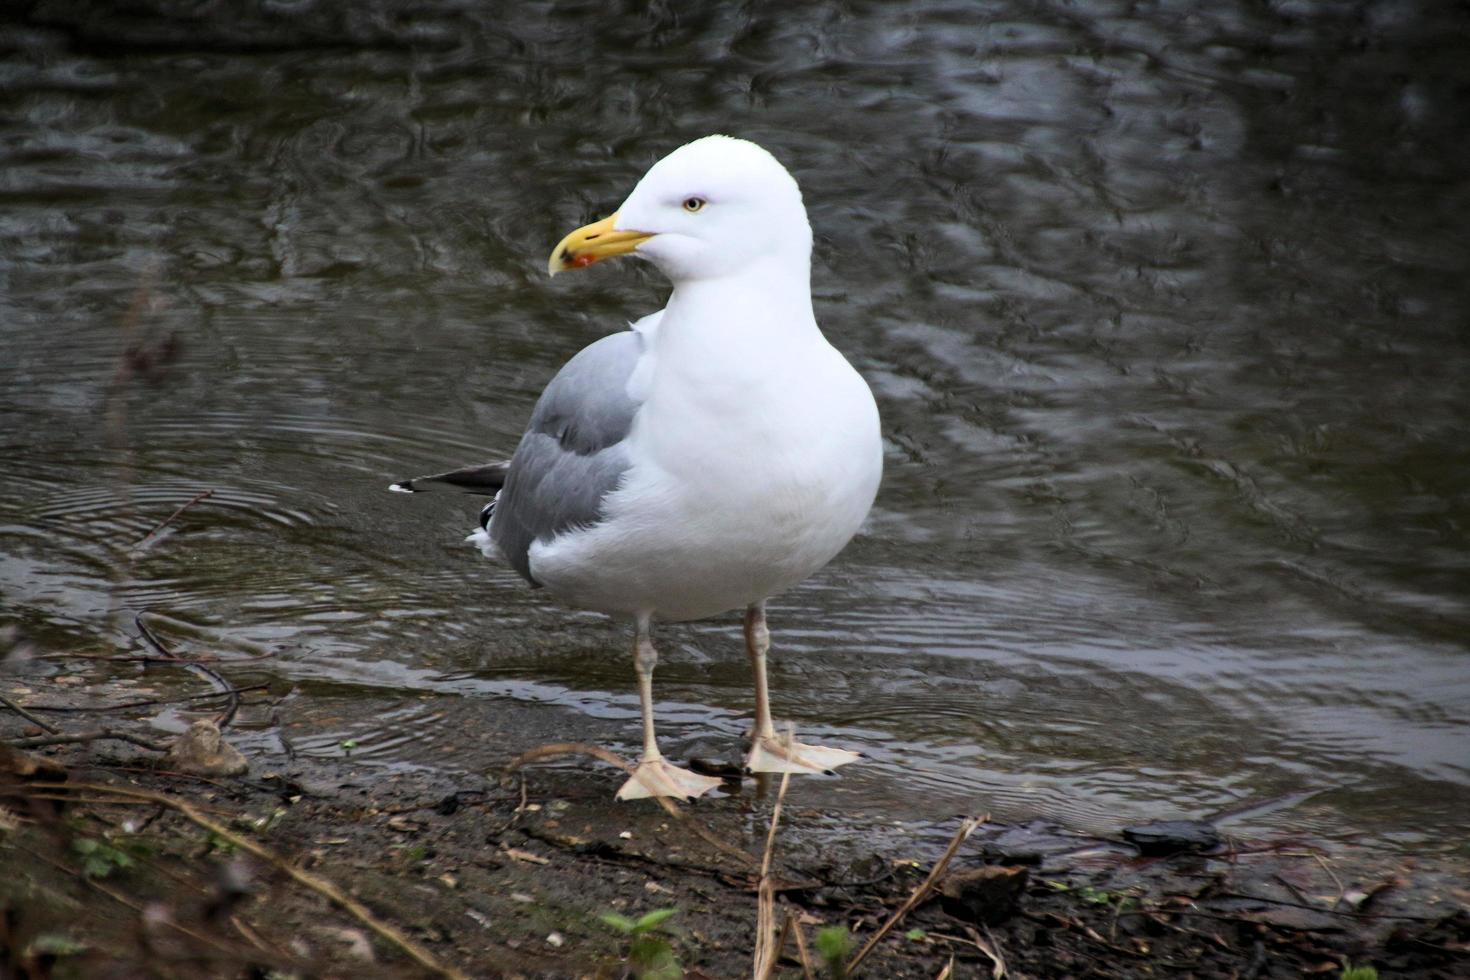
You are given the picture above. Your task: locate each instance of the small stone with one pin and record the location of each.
(203, 751)
(556, 939)
(1167, 837)
(985, 895)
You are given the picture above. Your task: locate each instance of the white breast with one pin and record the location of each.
(747, 478)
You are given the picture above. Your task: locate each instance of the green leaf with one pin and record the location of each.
(914, 935)
(653, 918)
(619, 922)
(1350, 972)
(85, 845)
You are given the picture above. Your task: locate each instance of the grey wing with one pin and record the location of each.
(572, 454)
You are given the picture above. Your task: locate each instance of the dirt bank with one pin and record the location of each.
(234, 875)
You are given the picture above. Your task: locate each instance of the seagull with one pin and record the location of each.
(713, 455)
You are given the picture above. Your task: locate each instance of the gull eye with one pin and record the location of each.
(693, 204)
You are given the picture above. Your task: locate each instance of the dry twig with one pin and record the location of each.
(171, 518)
(963, 834)
(214, 676)
(142, 702)
(20, 709)
(101, 734)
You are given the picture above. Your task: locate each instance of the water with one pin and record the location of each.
(1164, 306)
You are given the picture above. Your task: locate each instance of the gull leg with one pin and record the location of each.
(655, 775)
(768, 751)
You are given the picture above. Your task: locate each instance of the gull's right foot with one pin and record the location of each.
(660, 777)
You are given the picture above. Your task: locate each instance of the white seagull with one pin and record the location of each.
(712, 456)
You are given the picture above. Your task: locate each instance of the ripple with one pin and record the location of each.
(1172, 368)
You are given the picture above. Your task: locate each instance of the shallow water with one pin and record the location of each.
(1165, 308)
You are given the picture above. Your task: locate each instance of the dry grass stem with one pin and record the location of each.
(807, 972)
(967, 827)
(767, 945)
(990, 948)
(1341, 891)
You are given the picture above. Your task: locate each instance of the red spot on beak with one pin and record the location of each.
(582, 261)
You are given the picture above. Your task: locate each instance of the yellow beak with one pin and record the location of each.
(593, 243)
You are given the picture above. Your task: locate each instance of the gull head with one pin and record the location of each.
(713, 208)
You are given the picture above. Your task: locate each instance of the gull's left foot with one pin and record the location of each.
(771, 753)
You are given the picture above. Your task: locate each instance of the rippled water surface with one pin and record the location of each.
(1165, 306)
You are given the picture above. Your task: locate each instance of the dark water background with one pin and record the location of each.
(1165, 305)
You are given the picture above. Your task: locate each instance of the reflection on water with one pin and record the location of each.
(1164, 307)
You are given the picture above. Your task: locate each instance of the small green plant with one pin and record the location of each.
(914, 935)
(833, 945)
(650, 956)
(1091, 895)
(54, 944)
(99, 858)
(1350, 972)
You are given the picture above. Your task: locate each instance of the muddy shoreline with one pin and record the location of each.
(497, 876)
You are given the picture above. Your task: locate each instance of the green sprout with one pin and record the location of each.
(833, 944)
(100, 859)
(650, 956)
